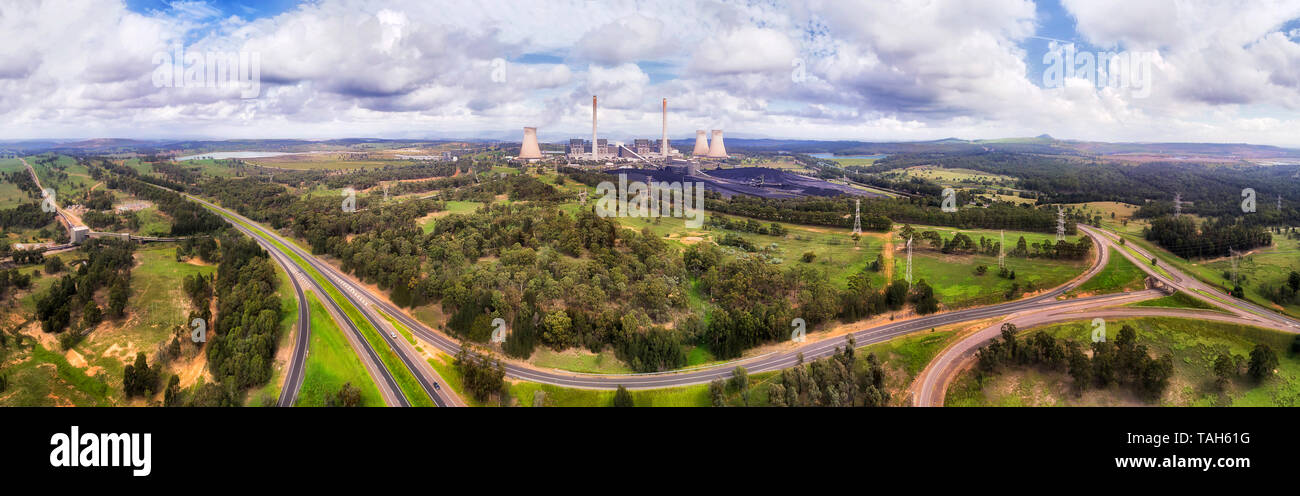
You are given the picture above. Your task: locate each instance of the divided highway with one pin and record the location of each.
(422, 372)
(772, 361)
(1042, 308)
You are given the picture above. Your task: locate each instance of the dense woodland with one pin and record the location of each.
(838, 380)
(1212, 239)
(242, 351)
(70, 307)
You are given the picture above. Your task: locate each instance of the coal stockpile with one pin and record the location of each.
(753, 181)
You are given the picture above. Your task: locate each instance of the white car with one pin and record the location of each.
(392, 335)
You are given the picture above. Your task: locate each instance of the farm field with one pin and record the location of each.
(955, 177)
(1194, 346)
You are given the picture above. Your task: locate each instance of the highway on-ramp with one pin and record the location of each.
(932, 383)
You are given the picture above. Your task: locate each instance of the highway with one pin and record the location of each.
(422, 371)
(1044, 307)
(931, 384)
(298, 360)
(771, 361)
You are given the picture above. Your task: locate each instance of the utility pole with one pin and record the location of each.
(857, 217)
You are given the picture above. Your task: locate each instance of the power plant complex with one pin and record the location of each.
(657, 152)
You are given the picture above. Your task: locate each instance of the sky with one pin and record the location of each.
(879, 70)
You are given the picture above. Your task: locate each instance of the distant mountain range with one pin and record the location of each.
(1040, 144)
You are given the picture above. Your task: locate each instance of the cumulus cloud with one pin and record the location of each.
(847, 69)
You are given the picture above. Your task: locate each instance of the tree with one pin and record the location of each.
(557, 325)
(1224, 370)
(53, 265)
(717, 393)
(137, 379)
(91, 315)
(349, 395)
(1294, 281)
(622, 398)
(1262, 362)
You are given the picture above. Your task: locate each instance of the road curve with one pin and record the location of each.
(931, 385)
(351, 294)
(298, 360)
(768, 362)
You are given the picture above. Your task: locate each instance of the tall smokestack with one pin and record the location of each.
(663, 145)
(716, 149)
(529, 149)
(701, 143)
(595, 154)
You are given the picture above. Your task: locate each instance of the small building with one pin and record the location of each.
(80, 234)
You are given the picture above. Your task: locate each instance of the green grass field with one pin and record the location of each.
(45, 378)
(453, 207)
(1177, 300)
(580, 360)
(331, 363)
(1194, 345)
(1119, 275)
(956, 284)
(76, 183)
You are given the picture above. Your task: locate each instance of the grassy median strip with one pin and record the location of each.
(332, 363)
(404, 377)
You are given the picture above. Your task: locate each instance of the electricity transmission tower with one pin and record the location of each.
(1178, 204)
(857, 217)
(1060, 223)
(909, 263)
(1002, 250)
(582, 197)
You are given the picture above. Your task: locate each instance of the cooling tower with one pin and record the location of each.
(716, 150)
(529, 148)
(701, 143)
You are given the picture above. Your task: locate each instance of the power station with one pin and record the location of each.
(654, 152)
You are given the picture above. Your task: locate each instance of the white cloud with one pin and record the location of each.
(871, 70)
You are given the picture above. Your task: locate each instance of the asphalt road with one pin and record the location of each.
(297, 362)
(403, 352)
(771, 361)
(932, 384)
